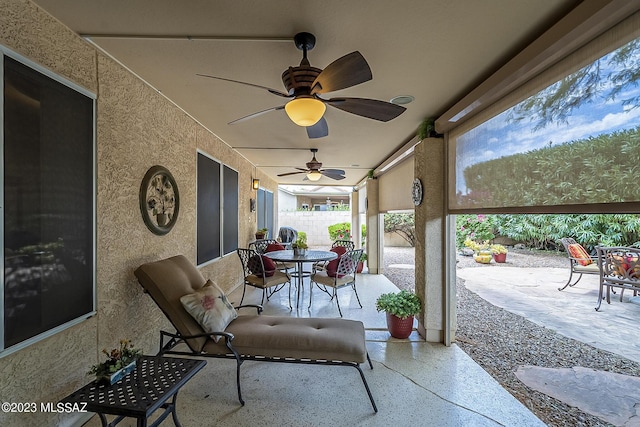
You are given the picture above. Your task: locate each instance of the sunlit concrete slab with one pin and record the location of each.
(533, 293)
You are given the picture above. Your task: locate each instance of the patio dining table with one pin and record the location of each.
(310, 256)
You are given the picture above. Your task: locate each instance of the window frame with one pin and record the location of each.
(5, 52)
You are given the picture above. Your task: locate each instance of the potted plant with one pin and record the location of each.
(481, 252)
(363, 258)
(262, 233)
(499, 253)
(120, 362)
(300, 245)
(401, 307)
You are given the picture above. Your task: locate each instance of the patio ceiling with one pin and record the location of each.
(435, 51)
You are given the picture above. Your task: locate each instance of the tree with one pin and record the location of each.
(402, 224)
(615, 73)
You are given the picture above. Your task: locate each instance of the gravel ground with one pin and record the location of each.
(517, 342)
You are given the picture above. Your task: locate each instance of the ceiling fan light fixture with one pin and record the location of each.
(314, 175)
(305, 111)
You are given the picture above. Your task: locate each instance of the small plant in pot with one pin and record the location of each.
(363, 258)
(499, 253)
(300, 245)
(120, 362)
(262, 233)
(400, 307)
(481, 251)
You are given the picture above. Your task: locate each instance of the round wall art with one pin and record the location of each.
(416, 192)
(159, 200)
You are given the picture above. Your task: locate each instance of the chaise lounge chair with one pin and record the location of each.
(335, 342)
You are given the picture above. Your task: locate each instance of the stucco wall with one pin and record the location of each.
(136, 129)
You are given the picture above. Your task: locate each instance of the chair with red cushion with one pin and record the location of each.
(580, 262)
(343, 275)
(261, 272)
(261, 245)
(338, 246)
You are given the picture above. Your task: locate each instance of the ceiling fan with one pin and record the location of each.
(305, 84)
(314, 172)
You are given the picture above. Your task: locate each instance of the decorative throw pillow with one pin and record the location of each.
(210, 307)
(272, 247)
(577, 251)
(256, 267)
(269, 266)
(332, 266)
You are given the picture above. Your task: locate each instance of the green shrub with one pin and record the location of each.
(340, 231)
(545, 231)
(477, 228)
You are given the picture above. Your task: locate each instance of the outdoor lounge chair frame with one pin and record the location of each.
(170, 340)
(169, 279)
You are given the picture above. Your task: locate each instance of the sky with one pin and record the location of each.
(498, 137)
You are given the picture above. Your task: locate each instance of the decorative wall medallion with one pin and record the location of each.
(159, 200)
(416, 192)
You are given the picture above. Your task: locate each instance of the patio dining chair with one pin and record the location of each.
(580, 262)
(262, 273)
(342, 275)
(347, 245)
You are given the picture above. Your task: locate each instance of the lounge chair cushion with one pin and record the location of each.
(210, 307)
(589, 269)
(295, 337)
(580, 254)
(168, 280)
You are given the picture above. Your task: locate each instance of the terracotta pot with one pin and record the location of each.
(500, 257)
(399, 328)
(359, 267)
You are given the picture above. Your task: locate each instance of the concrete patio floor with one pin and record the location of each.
(413, 382)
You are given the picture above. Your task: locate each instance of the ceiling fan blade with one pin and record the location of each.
(273, 91)
(319, 130)
(370, 108)
(333, 171)
(291, 173)
(350, 70)
(259, 113)
(333, 175)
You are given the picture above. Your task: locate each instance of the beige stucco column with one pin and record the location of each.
(374, 232)
(431, 243)
(355, 220)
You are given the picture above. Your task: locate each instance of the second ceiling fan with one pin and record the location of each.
(314, 172)
(304, 84)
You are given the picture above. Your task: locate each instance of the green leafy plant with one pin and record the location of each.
(478, 228)
(401, 304)
(498, 249)
(477, 246)
(427, 129)
(301, 241)
(117, 359)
